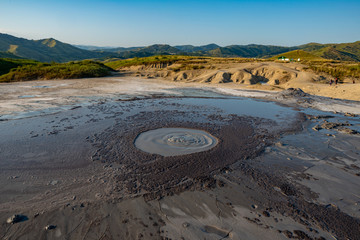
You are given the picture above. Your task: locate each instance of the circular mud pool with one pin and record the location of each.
(175, 141)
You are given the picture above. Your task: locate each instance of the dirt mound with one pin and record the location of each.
(180, 76)
(221, 77)
(273, 75)
(293, 92)
(242, 76)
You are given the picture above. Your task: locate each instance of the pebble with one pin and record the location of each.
(316, 128)
(266, 213)
(185, 224)
(350, 115)
(254, 206)
(16, 218)
(13, 177)
(50, 227)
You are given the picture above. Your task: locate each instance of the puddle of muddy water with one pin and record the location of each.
(27, 96)
(41, 86)
(244, 106)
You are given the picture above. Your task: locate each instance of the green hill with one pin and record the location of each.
(8, 55)
(341, 51)
(296, 54)
(45, 50)
(156, 49)
(192, 49)
(248, 51)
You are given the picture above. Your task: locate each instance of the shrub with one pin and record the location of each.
(81, 69)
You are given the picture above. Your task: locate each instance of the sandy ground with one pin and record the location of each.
(67, 159)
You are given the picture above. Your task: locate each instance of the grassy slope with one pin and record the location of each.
(146, 61)
(339, 70)
(342, 51)
(335, 54)
(247, 51)
(8, 55)
(81, 69)
(303, 55)
(6, 64)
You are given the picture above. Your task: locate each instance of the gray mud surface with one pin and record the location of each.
(278, 177)
(154, 175)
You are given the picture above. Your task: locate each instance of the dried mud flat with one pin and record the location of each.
(76, 174)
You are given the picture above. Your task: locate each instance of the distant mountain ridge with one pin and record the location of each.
(47, 50)
(44, 50)
(191, 48)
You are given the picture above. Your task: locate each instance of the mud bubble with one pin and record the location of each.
(175, 141)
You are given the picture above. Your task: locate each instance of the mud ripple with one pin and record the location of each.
(175, 141)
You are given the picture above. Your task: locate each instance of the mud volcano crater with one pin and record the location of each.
(175, 141)
(230, 138)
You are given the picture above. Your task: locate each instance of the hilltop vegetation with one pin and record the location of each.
(45, 50)
(6, 64)
(342, 51)
(184, 62)
(162, 59)
(296, 54)
(70, 70)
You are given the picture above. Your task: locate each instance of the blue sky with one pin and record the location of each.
(140, 23)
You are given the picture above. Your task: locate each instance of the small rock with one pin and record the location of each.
(16, 218)
(53, 182)
(13, 177)
(316, 128)
(254, 206)
(331, 205)
(279, 144)
(348, 131)
(288, 234)
(185, 225)
(266, 213)
(50, 227)
(350, 115)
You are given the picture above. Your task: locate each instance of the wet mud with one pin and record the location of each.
(156, 176)
(241, 139)
(79, 174)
